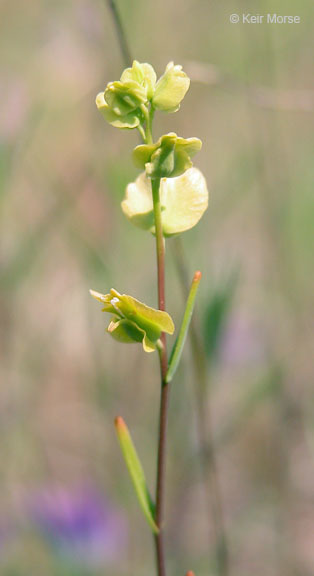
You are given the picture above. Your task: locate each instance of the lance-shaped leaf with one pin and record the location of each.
(179, 343)
(183, 202)
(136, 472)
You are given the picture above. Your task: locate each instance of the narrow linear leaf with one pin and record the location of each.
(179, 343)
(136, 472)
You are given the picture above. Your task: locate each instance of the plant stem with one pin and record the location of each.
(161, 463)
(160, 249)
(147, 134)
(149, 123)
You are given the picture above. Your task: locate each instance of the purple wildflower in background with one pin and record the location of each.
(80, 523)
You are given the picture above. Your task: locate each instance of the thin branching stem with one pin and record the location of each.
(160, 251)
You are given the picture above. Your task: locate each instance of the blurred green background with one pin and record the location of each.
(66, 504)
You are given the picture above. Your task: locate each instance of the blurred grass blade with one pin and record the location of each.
(179, 343)
(136, 472)
(216, 315)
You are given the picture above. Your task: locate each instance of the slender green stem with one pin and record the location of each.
(161, 463)
(142, 133)
(149, 122)
(148, 114)
(160, 249)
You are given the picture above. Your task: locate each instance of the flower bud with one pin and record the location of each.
(122, 101)
(171, 89)
(144, 74)
(130, 120)
(124, 97)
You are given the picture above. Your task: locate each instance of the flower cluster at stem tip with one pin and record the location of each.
(125, 102)
(130, 103)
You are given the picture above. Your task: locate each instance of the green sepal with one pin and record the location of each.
(136, 472)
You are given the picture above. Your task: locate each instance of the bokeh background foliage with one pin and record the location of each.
(66, 503)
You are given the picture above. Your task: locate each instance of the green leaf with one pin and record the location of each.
(136, 472)
(179, 343)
